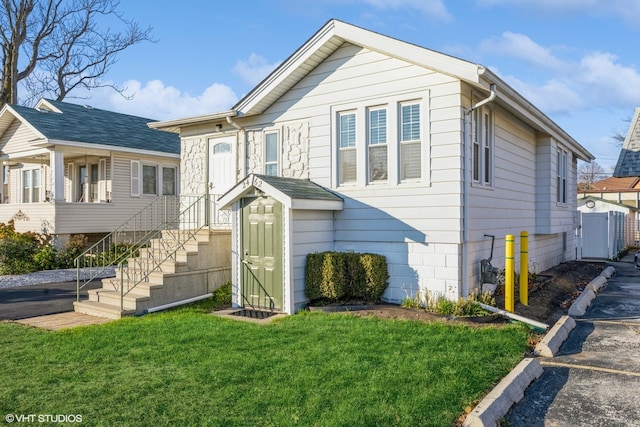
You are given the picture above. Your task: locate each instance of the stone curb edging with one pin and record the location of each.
(512, 387)
(550, 344)
(580, 305)
(510, 390)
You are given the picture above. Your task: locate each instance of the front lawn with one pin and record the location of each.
(186, 367)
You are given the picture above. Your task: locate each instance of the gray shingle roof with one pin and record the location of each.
(629, 159)
(78, 123)
(297, 188)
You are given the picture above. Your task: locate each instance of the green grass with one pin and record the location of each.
(185, 367)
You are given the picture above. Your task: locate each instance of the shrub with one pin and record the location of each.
(74, 248)
(345, 276)
(222, 295)
(47, 258)
(18, 251)
(16, 254)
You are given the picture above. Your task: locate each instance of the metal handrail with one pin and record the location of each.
(124, 244)
(150, 259)
(267, 296)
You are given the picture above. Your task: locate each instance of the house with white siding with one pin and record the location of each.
(72, 169)
(361, 142)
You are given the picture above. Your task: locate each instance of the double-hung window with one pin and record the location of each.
(347, 147)
(154, 179)
(169, 181)
(561, 180)
(377, 141)
(149, 180)
(31, 186)
(271, 153)
(482, 145)
(410, 142)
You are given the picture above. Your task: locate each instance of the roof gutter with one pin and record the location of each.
(466, 172)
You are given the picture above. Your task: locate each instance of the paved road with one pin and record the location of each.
(37, 300)
(594, 380)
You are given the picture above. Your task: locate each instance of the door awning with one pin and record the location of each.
(293, 193)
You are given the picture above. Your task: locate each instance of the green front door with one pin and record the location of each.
(262, 285)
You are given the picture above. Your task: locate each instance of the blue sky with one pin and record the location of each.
(576, 60)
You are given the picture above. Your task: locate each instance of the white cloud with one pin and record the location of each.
(254, 69)
(607, 81)
(157, 101)
(553, 96)
(522, 47)
(627, 10)
(567, 85)
(433, 8)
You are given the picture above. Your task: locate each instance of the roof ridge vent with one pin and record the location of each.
(88, 107)
(41, 110)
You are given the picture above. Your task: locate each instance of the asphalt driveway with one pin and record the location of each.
(21, 302)
(594, 380)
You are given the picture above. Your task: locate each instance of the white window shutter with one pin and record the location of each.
(135, 178)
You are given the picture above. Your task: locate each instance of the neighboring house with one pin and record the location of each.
(361, 142)
(624, 186)
(628, 164)
(72, 169)
(609, 218)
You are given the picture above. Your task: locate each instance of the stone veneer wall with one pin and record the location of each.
(294, 150)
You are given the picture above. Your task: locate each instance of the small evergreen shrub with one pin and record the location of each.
(345, 276)
(18, 250)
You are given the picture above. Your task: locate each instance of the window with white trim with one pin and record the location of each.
(169, 181)
(377, 142)
(271, 148)
(410, 142)
(149, 179)
(561, 176)
(482, 145)
(31, 185)
(347, 167)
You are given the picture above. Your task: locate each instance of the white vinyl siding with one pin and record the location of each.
(377, 141)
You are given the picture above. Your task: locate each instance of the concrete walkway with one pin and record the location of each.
(594, 378)
(59, 321)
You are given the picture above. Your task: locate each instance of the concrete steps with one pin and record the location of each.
(195, 270)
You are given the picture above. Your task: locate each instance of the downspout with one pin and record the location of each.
(236, 241)
(240, 129)
(467, 185)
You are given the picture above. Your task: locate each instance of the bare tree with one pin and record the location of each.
(619, 137)
(588, 173)
(56, 46)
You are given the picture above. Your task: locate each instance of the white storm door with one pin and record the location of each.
(221, 165)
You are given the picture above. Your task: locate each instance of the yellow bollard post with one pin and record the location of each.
(524, 268)
(508, 274)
